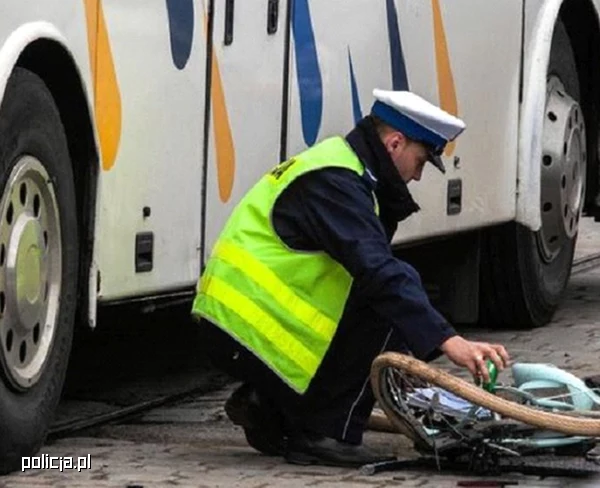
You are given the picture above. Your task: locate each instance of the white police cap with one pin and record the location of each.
(419, 120)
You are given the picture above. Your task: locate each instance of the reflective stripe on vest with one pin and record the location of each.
(275, 286)
(281, 304)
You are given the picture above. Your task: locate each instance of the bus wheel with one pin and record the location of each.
(524, 273)
(38, 265)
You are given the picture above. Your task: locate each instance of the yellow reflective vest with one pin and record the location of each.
(282, 304)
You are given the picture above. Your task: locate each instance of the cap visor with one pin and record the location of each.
(437, 162)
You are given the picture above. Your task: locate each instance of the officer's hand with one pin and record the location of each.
(473, 355)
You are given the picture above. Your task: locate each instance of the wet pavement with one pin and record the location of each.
(192, 444)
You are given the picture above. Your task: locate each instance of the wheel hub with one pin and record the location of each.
(30, 272)
(25, 272)
(563, 170)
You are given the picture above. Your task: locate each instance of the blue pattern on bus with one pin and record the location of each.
(356, 110)
(181, 26)
(399, 78)
(309, 74)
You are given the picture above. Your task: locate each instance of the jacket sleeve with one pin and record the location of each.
(332, 210)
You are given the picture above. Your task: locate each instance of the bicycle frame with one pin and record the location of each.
(570, 394)
(456, 425)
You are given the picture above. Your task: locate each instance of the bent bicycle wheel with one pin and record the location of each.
(389, 374)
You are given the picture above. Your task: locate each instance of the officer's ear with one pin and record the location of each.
(394, 141)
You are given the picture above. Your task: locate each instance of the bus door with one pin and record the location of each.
(246, 96)
(148, 67)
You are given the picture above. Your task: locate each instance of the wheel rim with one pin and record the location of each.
(30, 272)
(391, 397)
(563, 171)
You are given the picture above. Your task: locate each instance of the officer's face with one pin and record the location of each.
(409, 157)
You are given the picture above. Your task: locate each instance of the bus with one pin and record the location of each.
(130, 129)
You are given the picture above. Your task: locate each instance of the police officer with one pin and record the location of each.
(302, 290)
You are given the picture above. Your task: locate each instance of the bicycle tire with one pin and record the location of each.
(397, 421)
(566, 424)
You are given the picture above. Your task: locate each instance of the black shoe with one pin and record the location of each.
(260, 420)
(312, 449)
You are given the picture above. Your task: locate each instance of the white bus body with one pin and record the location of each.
(184, 104)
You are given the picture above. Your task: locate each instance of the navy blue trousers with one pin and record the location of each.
(339, 399)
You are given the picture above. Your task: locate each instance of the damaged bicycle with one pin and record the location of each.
(545, 421)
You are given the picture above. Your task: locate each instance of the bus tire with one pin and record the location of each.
(39, 252)
(524, 273)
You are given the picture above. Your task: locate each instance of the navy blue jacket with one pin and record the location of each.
(331, 210)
